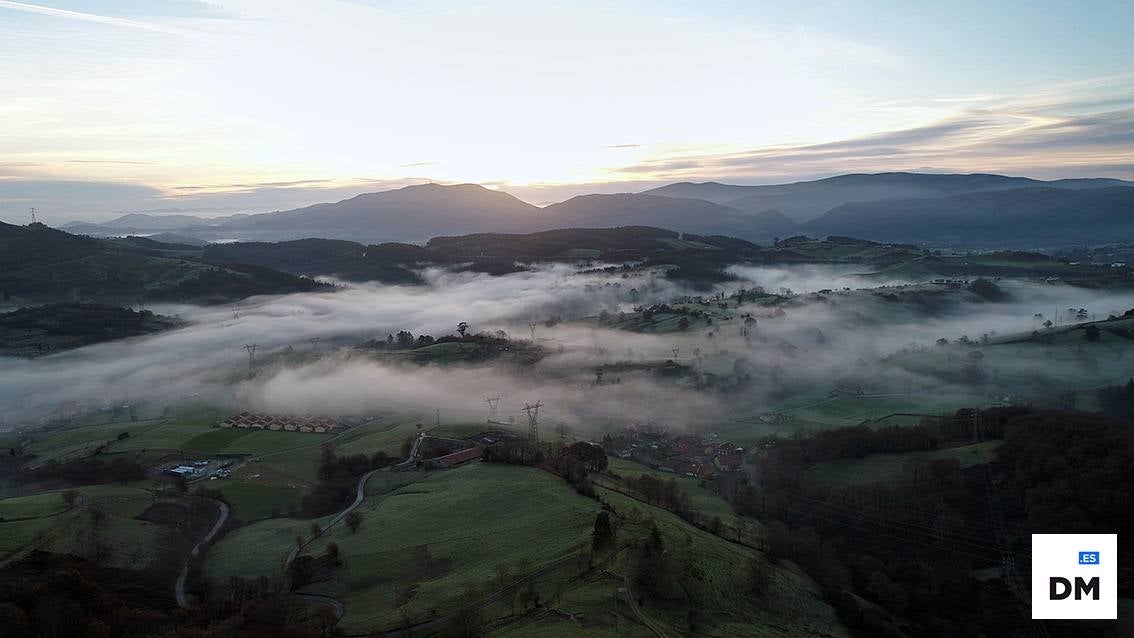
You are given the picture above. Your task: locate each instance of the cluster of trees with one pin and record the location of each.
(338, 480)
(910, 547)
(987, 290)
(1118, 401)
(572, 462)
(514, 453)
(91, 470)
(405, 340)
(52, 595)
(1070, 472)
(786, 460)
(660, 492)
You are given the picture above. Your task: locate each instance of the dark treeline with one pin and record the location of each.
(50, 595)
(661, 492)
(785, 460)
(910, 547)
(90, 470)
(1118, 401)
(574, 462)
(338, 481)
(405, 340)
(1070, 472)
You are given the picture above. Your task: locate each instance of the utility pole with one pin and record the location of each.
(533, 422)
(493, 404)
(236, 312)
(32, 211)
(438, 417)
(531, 328)
(675, 351)
(315, 342)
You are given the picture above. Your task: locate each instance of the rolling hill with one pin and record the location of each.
(413, 213)
(1024, 216)
(803, 201)
(42, 264)
(627, 209)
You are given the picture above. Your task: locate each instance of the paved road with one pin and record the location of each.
(179, 588)
(294, 553)
(628, 595)
(318, 599)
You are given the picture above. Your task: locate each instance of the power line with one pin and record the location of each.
(533, 421)
(251, 349)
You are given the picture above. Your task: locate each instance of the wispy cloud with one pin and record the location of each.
(1021, 137)
(87, 17)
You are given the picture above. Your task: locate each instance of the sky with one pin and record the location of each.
(253, 105)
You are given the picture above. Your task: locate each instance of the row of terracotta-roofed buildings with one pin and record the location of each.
(287, 423)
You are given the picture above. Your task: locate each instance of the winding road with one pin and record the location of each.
(294, 553)
(179, 588)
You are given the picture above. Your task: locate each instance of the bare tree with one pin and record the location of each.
(353, 521)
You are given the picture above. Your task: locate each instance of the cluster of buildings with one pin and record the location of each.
(686, 454)
(288, 423)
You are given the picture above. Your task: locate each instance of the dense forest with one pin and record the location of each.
(915, 557)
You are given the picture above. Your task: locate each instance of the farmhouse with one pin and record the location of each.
(287, 423)
(456, 458)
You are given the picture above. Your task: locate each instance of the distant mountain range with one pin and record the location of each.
(976, 209)
(804, 201)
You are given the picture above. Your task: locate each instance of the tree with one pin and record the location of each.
(315, 530)
(70, 497)
(125, 470)
(683, 323)
(1091, 333)
(603, 534)
(462, 328)
(502, 573)
(354, 521)
(756, 575)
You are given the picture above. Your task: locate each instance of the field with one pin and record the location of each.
(121, 539)
(791, 607)
(1057, 359)
(891, 468)
(704, 499)
(255, 550)
(82, 440)
(817, 411)
(34, 506)
(255, 501)
(422, 534)
(23, 519)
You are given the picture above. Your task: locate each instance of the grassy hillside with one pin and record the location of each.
(42, 330)
(421, 535)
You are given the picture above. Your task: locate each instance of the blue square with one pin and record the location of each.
(1088, 558)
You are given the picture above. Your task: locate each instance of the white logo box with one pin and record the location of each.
(1057, 556)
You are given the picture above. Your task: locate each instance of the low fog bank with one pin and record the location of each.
(814, 340)
(806, 278)
(207, 359)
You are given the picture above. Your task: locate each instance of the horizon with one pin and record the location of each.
(128, 106)
(207, 214)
